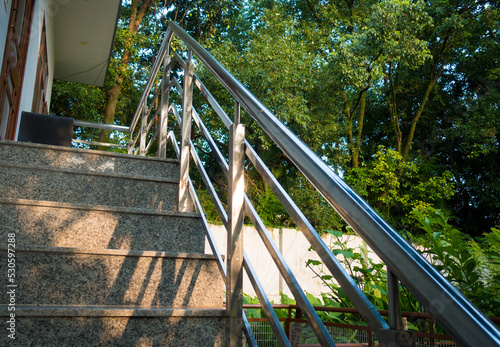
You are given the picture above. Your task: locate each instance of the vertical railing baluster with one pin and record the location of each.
(395, 322)
(234, 285)
(395, 335)
(165, 91)
(144, 127)
(130, 148)
(187, 107)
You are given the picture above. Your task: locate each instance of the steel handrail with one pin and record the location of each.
(368, 311)
(247, 329)
(280, 335)
(458, 316)
(113, 127)
(280, 262)
(152, 77)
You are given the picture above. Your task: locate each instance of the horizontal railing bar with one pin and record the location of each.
(299, 295)
(178, 87)
(152, 76)
(95, 143)
(150, 125)
(357, 327)
(277, 257)
(210, 236)
(328, 324)
(344, 325)
(273, 320)
(345, 280)
(179, 60)
(247, 329)
(155, 136)
(210, 188)
(81, 123)
(211, 100)
(280, 334)
(134, 142)
(358, 298)
(458, 316)
(211, 143)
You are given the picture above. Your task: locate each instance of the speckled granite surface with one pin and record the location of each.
(48, 200)
(48, 278)
(118, 331)
(69, 225)
(87, 188)
(43, 155)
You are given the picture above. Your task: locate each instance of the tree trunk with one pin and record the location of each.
(361, 117)
(414, 122)
(350, 137)
(136, 15)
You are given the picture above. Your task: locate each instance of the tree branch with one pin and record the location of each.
(311, 7)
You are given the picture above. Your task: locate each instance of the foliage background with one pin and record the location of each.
(400, 98)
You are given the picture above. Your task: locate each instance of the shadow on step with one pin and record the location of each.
(78, 256)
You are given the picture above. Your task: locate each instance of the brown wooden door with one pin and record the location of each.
(13, 65)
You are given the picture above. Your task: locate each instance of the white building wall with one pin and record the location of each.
(51, 59)
(295, 249)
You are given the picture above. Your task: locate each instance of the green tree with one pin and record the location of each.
(141, 26)
(349, 76)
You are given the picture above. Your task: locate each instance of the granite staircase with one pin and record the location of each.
(102, 257)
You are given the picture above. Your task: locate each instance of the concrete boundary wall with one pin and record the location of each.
(295, 249)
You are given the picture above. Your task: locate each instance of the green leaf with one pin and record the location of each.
(335, 233)
(346, 254)
(313, 262)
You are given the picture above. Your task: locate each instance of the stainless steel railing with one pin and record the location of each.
(457, 315)
(112, 127)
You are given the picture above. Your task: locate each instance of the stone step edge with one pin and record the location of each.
(111, 311)
(99, 208)
(109, 252)
(86, 151)
(87, 173)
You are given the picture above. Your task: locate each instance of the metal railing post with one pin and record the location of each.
(234, 285)
(395, 322)
(187, 109)
(144, 128)
(165, 91)
(130, 148)
(395, 335)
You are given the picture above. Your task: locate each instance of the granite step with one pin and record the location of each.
(57, 224)
(89, 188)
(87, 160)
(46, 325)
(80, 276)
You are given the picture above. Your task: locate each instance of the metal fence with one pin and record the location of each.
(300, 333)
(405, 264)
